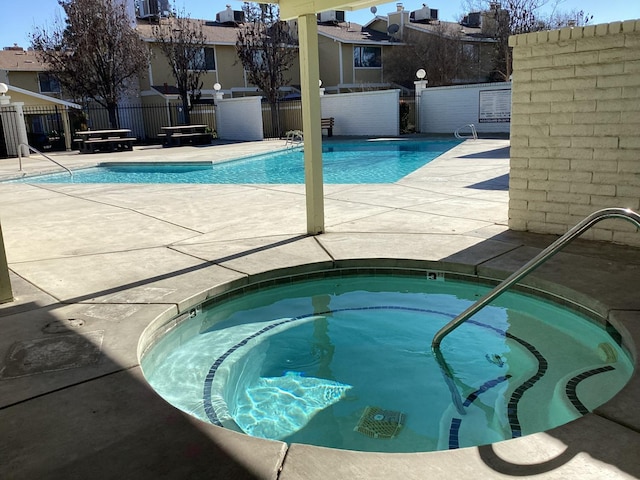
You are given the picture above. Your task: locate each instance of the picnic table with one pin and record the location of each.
(182, 134)
(91, 141)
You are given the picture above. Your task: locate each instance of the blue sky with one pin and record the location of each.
(20, 19)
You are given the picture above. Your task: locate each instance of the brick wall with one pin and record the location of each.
(575, 129)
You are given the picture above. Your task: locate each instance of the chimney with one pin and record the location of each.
(399, 7)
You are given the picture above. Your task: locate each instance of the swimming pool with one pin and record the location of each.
(349, 162)
(344, 361)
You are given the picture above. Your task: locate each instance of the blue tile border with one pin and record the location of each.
(513, 403)
(208, 381)
(454, 429)
(572, 385)
(512, 408)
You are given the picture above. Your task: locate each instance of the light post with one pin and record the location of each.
(4, 100)
(218, 95)
(420, 84)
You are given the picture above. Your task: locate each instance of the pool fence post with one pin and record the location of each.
(420, 85)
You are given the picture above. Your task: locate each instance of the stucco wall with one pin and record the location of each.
(329, 57)
(575, 129)
(363, 113)
(26, 80)
(239, 118)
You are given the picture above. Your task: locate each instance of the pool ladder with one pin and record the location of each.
(474, 134)
(35, 150)
(534, 263)
(294, 138)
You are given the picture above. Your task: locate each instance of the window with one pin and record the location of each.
(472, 52)
(205, 57)
(367, 57)
(48, 83)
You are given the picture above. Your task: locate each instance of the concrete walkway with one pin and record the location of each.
(93, 265)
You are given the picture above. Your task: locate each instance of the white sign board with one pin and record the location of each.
(495, 106)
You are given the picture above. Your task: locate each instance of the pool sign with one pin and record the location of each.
(495, 106)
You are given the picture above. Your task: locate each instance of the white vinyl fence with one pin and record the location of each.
(445, 109)
(374, 113)
(239, 118)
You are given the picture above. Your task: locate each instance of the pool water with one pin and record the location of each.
(346, 362)
(351, 162)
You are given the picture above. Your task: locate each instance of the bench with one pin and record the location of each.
(327, 124)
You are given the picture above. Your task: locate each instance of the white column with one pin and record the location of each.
(22, 128)
(311, 116)
(13, 119)
(66, 126)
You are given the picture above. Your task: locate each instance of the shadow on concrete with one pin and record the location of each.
(80, 422)
(114, 425)
(495, 153)
(498, 183)
(500, 465)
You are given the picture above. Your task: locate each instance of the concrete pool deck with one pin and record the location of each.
(93, 265)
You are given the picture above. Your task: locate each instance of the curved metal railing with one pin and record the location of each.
(474, 134)
(35, 150)
(294, 138)
(542, 257)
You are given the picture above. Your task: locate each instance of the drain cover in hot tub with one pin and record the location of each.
(376, 422)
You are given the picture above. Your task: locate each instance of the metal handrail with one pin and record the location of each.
(294, 138)
(538, 260)
(474, 134)
(35, 150)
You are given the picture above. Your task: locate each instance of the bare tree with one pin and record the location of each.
(182, 41)
(572, 18)
(266, 48)
(95, 53)
(512, 17)
(440, 52)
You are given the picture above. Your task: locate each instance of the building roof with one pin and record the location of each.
(350, 32)
(451, 29)
(437, 27)
(16, 59)
(214, 32)
(226, 34)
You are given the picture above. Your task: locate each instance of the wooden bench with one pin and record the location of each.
(327, 124)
